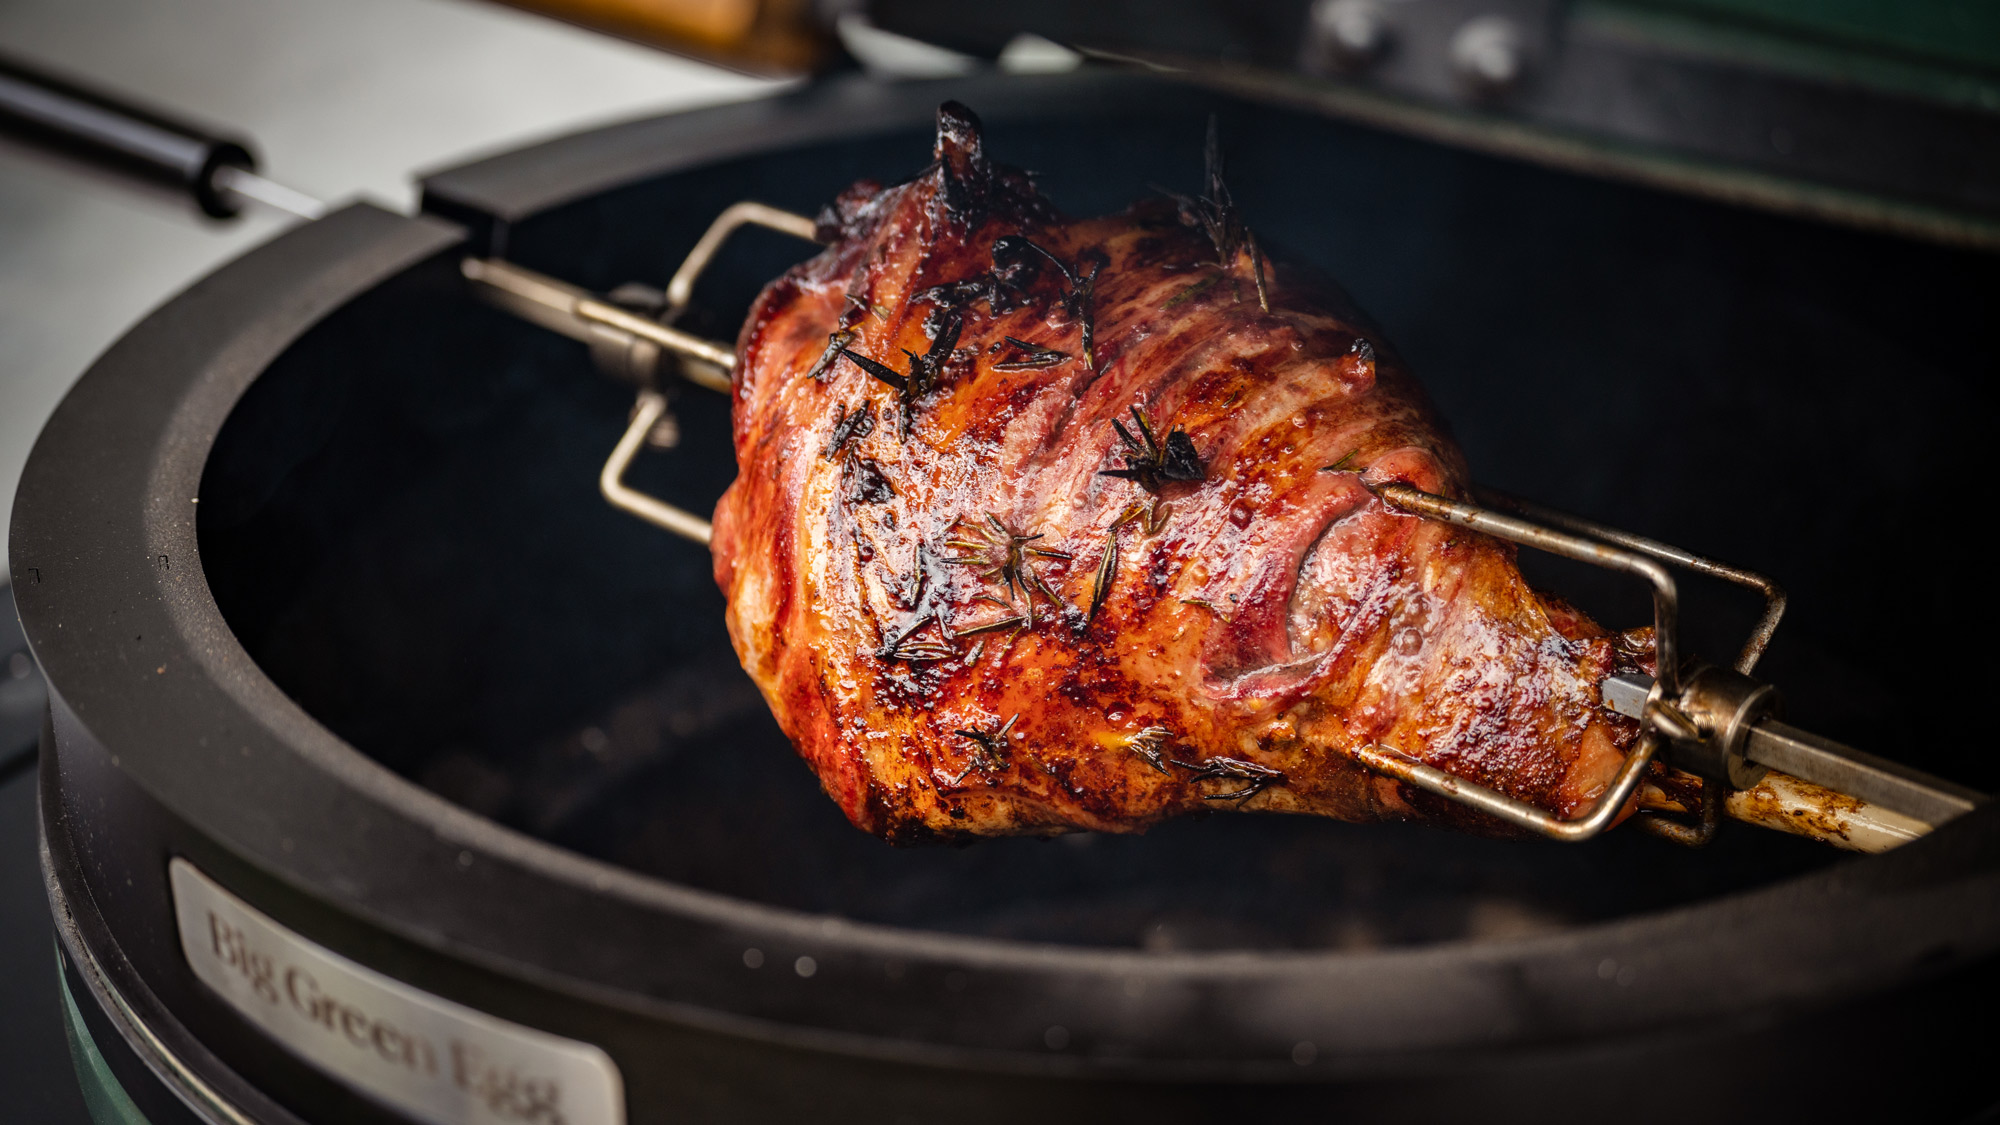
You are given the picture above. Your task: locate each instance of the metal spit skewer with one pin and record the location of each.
(1719, 723)
(1822, 761)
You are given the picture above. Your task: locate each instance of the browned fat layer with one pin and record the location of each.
(1263, 612)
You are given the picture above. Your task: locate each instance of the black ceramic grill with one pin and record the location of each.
(333, 614)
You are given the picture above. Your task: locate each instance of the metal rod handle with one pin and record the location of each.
(1774, 595)
(611, 480)
(580, 315)
(112, 134)
(1602, 813)
(681, 289)
(590, 310)
(1666, 597)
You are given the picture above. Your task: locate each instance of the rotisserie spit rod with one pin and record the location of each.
(1767, 744)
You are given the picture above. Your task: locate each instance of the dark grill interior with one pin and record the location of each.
(401, 523)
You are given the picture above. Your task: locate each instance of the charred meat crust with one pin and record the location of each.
(1113, 485)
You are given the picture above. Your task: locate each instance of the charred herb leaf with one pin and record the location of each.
(1080, 287)
(1152, 462)
(1004, 288)
(834, 344)
(869, 485)
(991, 752)
(881, 371)
(923, 592)
(1032, 356)
(925, 369)
(849, 427)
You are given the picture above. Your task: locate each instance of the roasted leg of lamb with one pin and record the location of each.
(1046, 524)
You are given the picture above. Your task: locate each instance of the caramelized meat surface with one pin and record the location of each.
(1045, 524)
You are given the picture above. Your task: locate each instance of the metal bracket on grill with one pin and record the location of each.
(631, 344)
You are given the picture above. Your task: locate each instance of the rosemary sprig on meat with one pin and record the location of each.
(1107, 569)
(999, 626)
(1032, 356)
(857, 305)
(924, 370)
(1080, 291)
(1216, 214)
(1340, 466)
(1150, 744)
(1258, 778)
(836, 342)
(923, 592)
(1192, 291)
(992, 752)
(1107, 566)
(1004, 554)
(1152, 462)
(849, 427)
